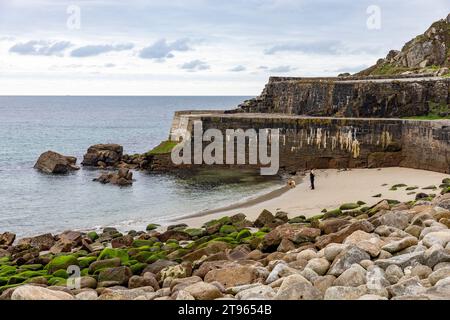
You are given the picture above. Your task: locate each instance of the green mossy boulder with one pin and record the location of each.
(330, 214)
(92, 235)
(55, 281)
(84, 262)
(446, 181)
(143, 256)
(61, 274)
(348, 206)
(193, 232)
(141, 243)
(109, 253)
(244, 233)
(31, 267)
(361, 203)
(152, 226)
(7, 271)
(399, 185)
(412, 188)
(137, 268)
(61, 263)
(430, 188)
(155, 257)
(227, 229)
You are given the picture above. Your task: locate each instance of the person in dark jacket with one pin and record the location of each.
(312, 177)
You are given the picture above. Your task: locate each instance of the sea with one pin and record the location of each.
(32, 203)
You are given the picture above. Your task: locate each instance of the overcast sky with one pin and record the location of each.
(194, 47)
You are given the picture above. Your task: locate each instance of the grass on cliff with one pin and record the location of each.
(163, 148)
(437, 112)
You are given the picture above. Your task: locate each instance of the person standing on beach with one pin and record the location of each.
(312, 177)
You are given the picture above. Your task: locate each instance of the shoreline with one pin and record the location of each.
(333, 188)
(246, 203)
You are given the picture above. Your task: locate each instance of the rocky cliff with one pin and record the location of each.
(412, 82)
(426, 53)
(377, 97)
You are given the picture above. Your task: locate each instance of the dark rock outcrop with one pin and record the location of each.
(123, 177)
(103, 155)
(52, 162)
(351, 97)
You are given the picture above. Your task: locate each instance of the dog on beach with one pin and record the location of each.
(291, 183)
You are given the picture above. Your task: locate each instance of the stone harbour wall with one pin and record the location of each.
(309, 142)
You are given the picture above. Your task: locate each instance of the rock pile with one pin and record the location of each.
(398, 251)
(103, 155)
(123, 177)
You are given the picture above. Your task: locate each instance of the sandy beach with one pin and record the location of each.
(333, 188)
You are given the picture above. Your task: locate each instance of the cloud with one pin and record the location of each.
(317, 47)
(195, 65)
(350, 69)
(162, 49)
(40, 48)
(282, 69)
(239, 68)
(95, 50)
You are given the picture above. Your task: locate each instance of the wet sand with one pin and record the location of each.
(333, 188)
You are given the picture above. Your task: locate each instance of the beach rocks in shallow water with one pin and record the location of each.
(55, 163)
(124, 177)
(103, 155)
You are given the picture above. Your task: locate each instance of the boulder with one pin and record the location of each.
(55, 163)
(7, 239)
(407, 287)
(114, 276)
(296, 287)
(355, 276)
(236, 276)
(402, 261)
(43, 242)
(28, 292)
(345, 293)
(346, 259)
(399, 245)
(259, 292)
(203, 291)
(439, 275)
(293, 232)
(341, 235)
(103, 155)
(318, 265)
(333, 225)
(395, 219)
(148, 280)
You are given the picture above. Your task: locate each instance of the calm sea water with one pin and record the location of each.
(32, 203)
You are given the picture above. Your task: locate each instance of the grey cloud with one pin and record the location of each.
(318, 47)
(162, 49)
(40, 48)
(239, 68)
(195, 65)
(95, 50)
(282, 69)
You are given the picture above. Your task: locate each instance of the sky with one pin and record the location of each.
(195, 47)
